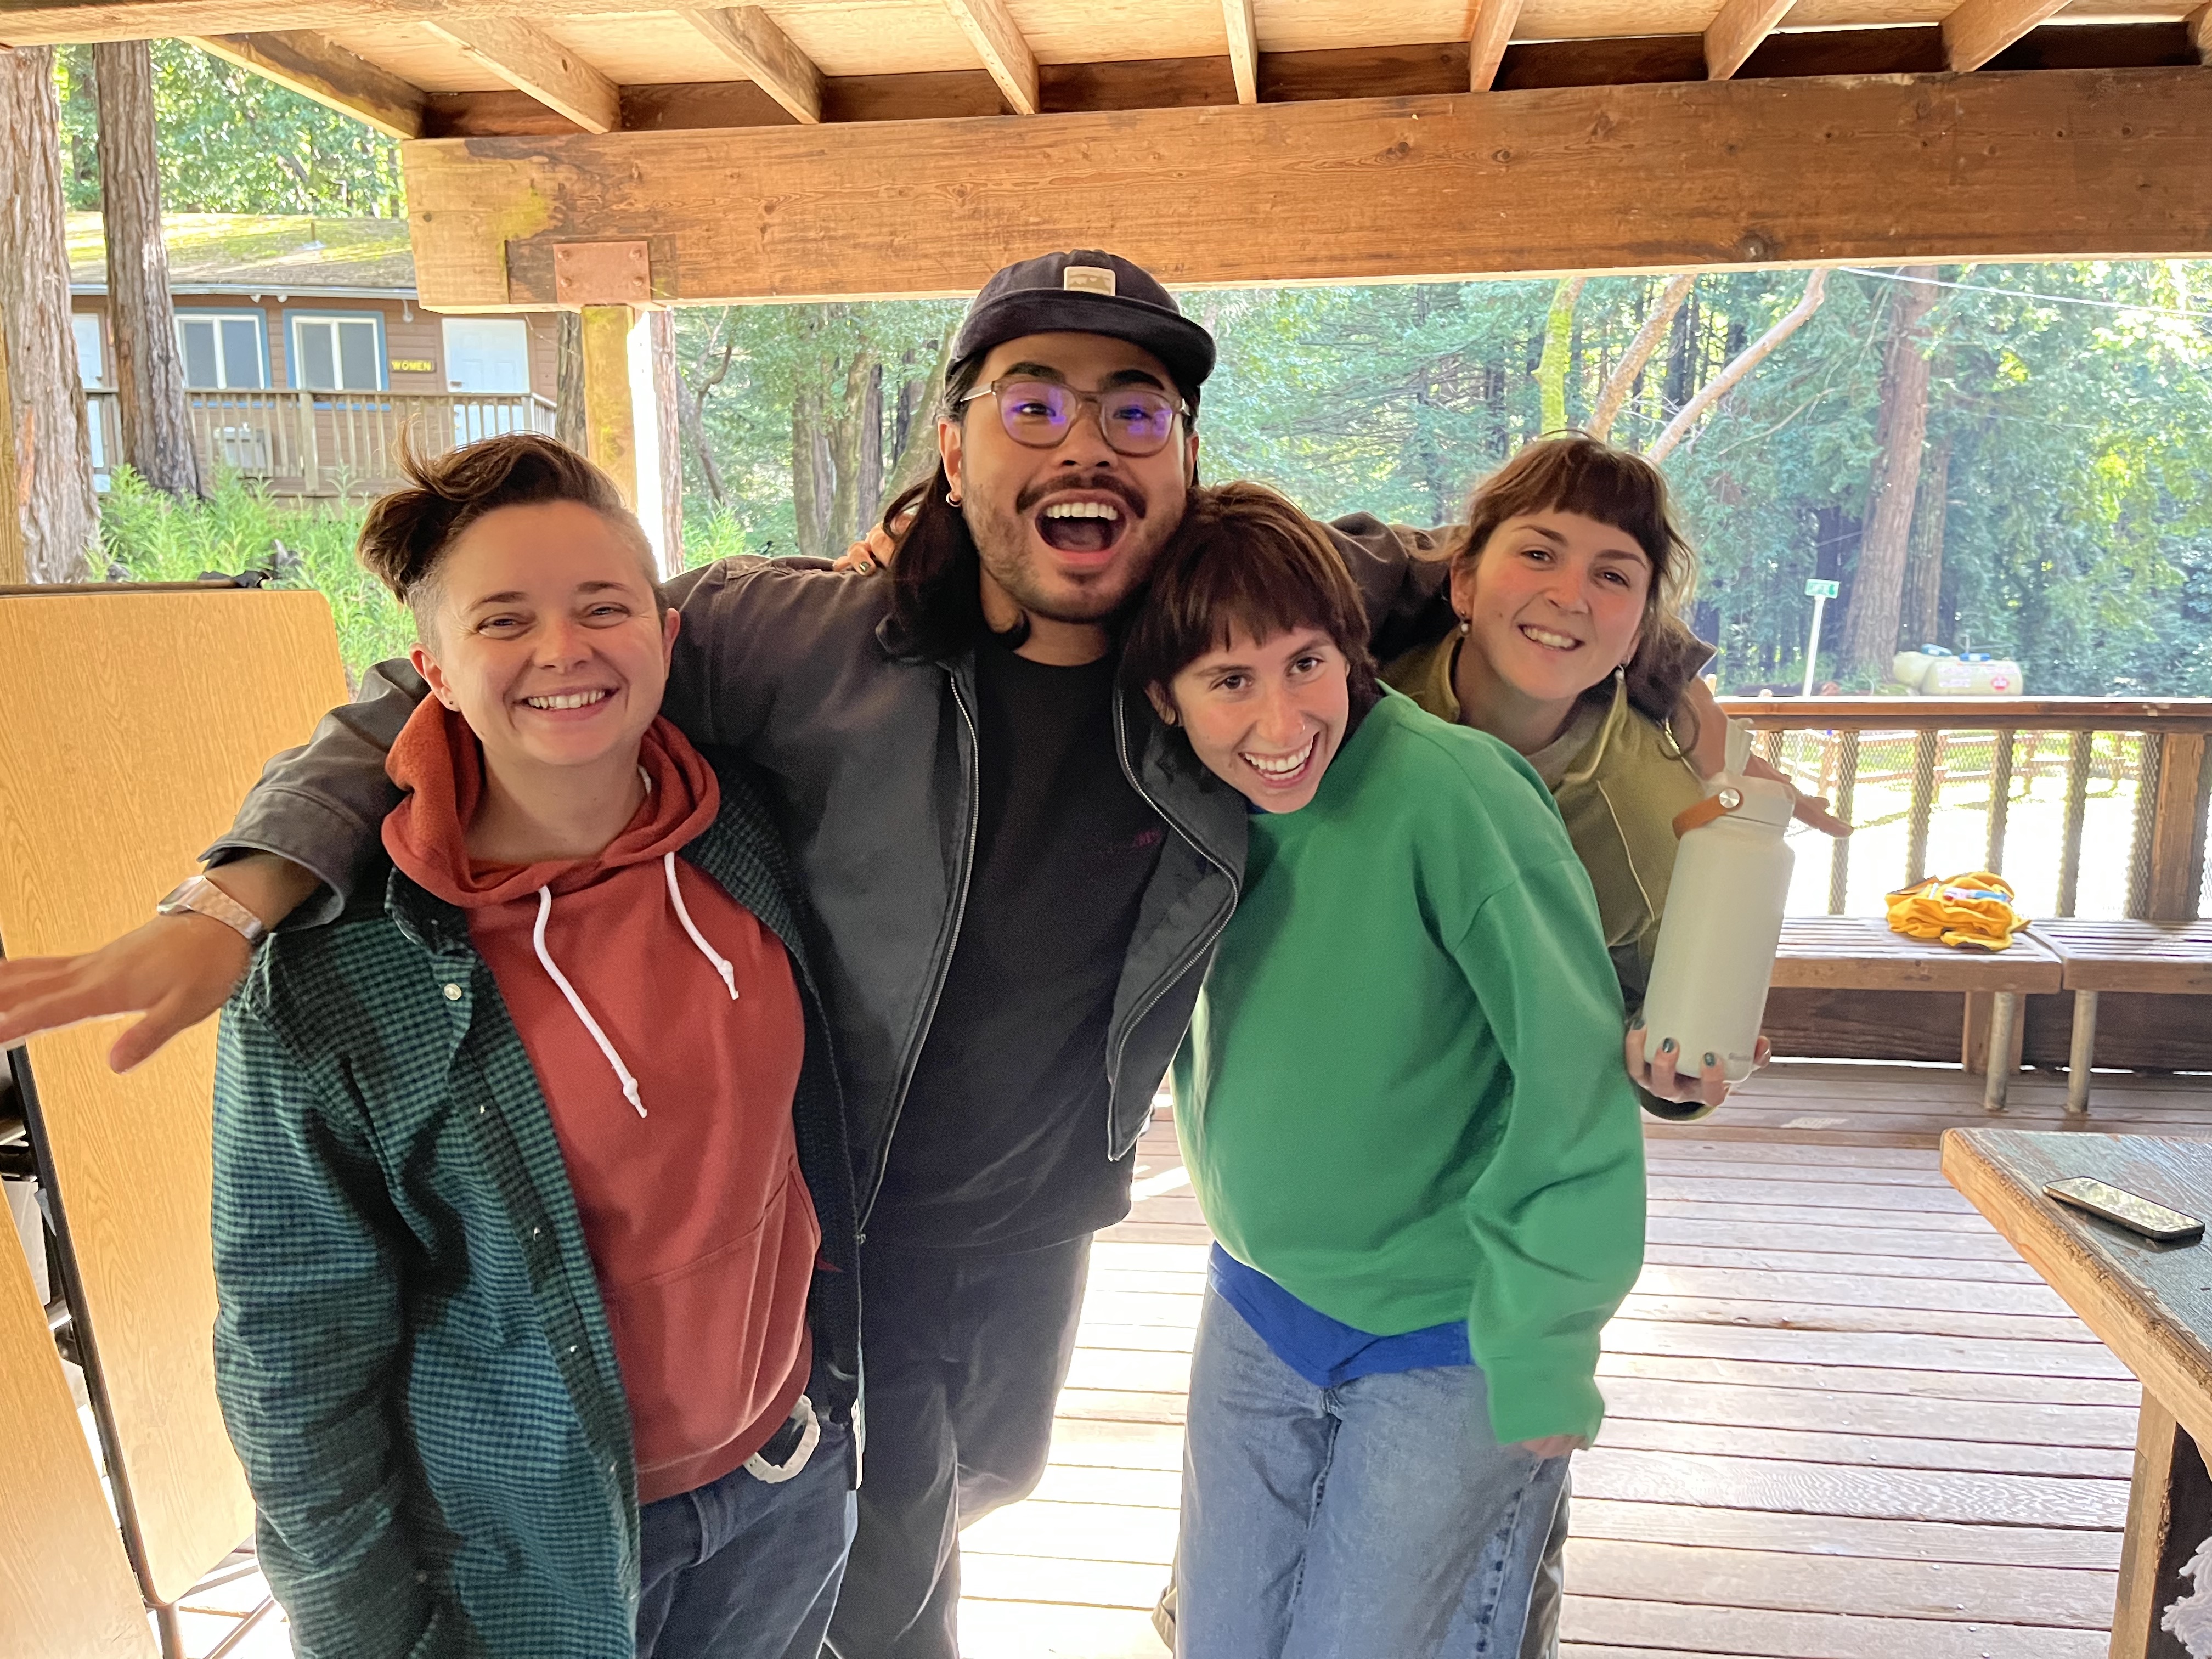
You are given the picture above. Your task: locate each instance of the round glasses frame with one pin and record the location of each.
(1052, 438)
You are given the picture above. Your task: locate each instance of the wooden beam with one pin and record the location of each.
(609, 417)
(322, 69)
(998, 42)
(1243, 49)
(2199, 25)
(61, 21)
(530, 60)
(1979, 29)
(1487, 40)
(1670, 177)
(749, 38)
(1734, 35)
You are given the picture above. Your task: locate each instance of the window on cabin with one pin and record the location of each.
(223, 349)
(336, 354)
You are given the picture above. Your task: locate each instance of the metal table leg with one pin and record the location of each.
(2004, 1016)
(2082, 1056)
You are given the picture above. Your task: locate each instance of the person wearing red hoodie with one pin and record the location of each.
(527, 1176)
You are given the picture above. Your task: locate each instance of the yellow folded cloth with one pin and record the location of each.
(1974, 909)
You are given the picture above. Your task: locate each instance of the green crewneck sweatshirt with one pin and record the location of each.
(1402, 1096)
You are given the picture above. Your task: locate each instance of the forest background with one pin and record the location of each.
(2011, 459)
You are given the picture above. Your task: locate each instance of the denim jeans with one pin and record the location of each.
(742, 1569)
(1379, 1517)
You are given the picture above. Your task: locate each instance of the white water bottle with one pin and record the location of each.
(1724, 921)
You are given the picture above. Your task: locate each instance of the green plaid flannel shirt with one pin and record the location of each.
(411, 1352)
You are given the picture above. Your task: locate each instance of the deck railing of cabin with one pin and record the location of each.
(2020, 786)
(325, 443)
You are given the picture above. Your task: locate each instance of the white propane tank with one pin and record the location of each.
(1724, 921)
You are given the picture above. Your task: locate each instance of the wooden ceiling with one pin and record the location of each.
(474, 67)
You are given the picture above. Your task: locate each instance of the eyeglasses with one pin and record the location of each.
(1136, 420)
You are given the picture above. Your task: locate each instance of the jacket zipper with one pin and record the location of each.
(1159, 986)
(939, 970)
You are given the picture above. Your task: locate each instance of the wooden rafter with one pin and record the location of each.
(2199, 25)
(1734, 35)
(1979, 29)
(59, 21)
(999, 43)
(327, 72)
(749, 38)
(1487, 40)
(1667, 176)
(1243, 49)
(530, 60)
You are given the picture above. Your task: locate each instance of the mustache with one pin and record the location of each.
(1130, 496)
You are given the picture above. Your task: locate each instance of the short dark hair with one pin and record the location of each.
(1244, 557)
(1574, 472)
(410, 531)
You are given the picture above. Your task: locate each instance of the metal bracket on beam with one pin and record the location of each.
(602, 274)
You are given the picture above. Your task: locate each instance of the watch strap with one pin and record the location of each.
(204, 898)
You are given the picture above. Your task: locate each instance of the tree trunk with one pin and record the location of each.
(55, 526)
(917, 430)
(1923, 565)
(1552, 367)
(668, 399)
(1877, 592)
(810, 489)
(856, 449)
(1630, 369)
(1748, 358)
(569, 426)
(149, 368)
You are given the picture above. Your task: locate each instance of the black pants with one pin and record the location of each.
(964, 1354)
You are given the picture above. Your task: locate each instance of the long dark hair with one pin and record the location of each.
(937, 580)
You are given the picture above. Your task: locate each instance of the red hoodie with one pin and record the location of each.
(668, 1059)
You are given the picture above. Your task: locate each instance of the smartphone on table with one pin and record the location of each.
(2133, 1210)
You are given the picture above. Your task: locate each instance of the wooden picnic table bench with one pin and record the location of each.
(1861, 953)
(2150, 1304)
(2165, 957)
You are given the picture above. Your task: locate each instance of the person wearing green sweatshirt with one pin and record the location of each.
(1403, 1110)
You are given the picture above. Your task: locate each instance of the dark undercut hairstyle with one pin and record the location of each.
(1574, 472)
(1244, 559)
(408, 531)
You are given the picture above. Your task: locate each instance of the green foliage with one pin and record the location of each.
(230, 142)
(153, 537)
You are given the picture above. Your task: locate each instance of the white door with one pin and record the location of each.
(92, 369)
(487, 354)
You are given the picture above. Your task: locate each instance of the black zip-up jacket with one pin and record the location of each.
(868, 753)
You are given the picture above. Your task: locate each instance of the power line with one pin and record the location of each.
(2026, 294)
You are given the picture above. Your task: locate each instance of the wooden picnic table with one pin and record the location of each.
(2150, 1304)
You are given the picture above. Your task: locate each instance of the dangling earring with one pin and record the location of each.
(1465, 624)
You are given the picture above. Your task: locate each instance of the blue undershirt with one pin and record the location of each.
(1326, 1351)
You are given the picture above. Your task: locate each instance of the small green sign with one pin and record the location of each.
(1821, 590)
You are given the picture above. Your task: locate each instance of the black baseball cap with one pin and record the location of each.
(1088, 292)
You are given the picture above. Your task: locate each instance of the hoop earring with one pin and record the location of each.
(952, 498)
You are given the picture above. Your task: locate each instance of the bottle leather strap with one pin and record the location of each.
(1711, 807)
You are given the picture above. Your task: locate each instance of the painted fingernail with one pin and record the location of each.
(1708, 1061)
(1636, 1025)
(1668, 1046)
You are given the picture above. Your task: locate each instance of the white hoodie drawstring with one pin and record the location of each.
(537, 940)
(676, 897)
(721, 965)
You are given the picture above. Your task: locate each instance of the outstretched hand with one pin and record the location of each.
(1659, 1075)
(176, 970)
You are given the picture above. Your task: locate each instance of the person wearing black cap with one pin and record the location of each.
(1018, 879)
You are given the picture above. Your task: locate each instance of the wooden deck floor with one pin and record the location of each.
(1846, 1422)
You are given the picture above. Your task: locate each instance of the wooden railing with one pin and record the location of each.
(2022, 785)
(329, 443)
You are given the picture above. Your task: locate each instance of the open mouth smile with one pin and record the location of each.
(1548, 639)
(1087, 526)
(571, 704)
(1283, 771)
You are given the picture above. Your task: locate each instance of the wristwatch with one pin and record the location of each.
(204, 898)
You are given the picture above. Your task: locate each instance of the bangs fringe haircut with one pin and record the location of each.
(1244, 557)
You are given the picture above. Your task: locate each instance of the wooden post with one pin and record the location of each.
(609, 422)
(149, 367)
(2176, 828)
(667, 435)
(13, 570)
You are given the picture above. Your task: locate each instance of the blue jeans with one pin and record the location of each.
(744, 1570)
(1376, 1518)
